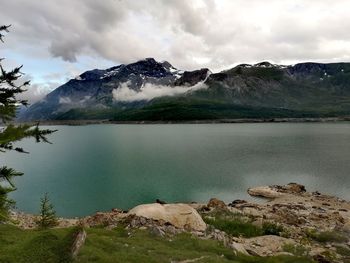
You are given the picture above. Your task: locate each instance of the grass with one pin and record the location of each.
(17, 245)
(342, 250)
(140, 246)
(326, 236)
(296, 250)
(118, 245)
(237, 225)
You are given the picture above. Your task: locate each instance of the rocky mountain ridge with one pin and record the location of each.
(151, 90)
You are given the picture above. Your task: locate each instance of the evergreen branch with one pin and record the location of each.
(3, 28)
(13, 133)
(6, 174)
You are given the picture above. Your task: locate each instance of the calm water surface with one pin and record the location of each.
(99, 167)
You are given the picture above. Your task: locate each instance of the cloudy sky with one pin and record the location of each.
(59, 39)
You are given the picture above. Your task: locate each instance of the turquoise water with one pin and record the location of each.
(99, 167)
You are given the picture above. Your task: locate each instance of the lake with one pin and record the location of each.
(99, 167)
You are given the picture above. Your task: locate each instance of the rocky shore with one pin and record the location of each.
(292, 221)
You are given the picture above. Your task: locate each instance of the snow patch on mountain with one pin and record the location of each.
(111, 73)
(150, 91)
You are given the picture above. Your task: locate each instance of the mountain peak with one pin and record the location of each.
(148, 61)
(264, 64)
(150, 67)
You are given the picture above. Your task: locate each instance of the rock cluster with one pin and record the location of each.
(216, 203)
(28, 221)
(156, 227)
(102, 219)
(301, 213)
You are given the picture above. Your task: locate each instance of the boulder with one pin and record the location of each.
(238, 248)
(264, 191)
(276, 191)
(179, 215)
(346, 227)
(295, 188)
(266, 245)
(237, 202)
(216, 203)
(156, 231)
(101, 219)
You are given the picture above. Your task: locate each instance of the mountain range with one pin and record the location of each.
(157, 91)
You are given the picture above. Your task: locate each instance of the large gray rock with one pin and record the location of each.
(179, 215)
(275, 191)
(266, 245)
(239, 248)
(265, 191)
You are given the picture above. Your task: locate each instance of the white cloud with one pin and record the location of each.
(189, 34)
(36, 91)
(150, 91)
(65, 100)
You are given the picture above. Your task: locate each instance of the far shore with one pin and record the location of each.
(214, 121)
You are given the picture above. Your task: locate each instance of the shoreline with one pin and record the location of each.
(214, 121)
(291, 220)
(260, 196)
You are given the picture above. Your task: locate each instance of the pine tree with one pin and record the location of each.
(47, 213)
(10, 86)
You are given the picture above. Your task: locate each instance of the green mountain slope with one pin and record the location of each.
(262, 90)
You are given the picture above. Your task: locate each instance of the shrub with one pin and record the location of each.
(47, 216)
(270, 228)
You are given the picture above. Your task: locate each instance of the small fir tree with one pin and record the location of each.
(47, 216)
(10, 87)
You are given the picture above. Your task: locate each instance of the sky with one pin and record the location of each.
(57, 40)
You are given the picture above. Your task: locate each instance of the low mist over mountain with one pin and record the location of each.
(151, 90)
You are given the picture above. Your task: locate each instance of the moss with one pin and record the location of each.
(326, 236)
